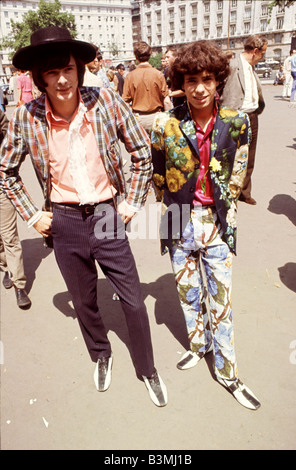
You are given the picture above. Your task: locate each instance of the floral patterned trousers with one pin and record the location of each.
(202, 263)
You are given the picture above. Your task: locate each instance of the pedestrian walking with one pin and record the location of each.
(91, 69)
(120, 77)
(243, 91)
(72, 136)
(200, 152)
(177, 96)
(293, 73)
(25, 87)
(287, 88)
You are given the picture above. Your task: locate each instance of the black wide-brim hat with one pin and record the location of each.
(47, 40)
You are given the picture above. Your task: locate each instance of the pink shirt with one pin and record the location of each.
(204, 189)
(24, 82)
(62, 187)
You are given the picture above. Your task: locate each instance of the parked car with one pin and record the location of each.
(5, 88)
(263, 70)
(274, 64)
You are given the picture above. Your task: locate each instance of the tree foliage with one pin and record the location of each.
(48, 14)
(155, 60)
(281, 3)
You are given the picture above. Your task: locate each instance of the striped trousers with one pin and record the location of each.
(79, 240)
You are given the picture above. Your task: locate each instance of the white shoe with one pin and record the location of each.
(241, 393)
(191, 359)
(102, 374)
(157, 389)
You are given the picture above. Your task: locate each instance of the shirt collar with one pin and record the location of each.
(212, 121)
(52, 117)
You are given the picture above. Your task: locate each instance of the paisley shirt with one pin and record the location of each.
(176, 163)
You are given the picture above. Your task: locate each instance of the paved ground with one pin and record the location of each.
(48, 399)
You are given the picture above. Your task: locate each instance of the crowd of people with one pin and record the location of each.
(191, 129)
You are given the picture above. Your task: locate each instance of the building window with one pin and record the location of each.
(247, 27)
(264, 10)
(263, 25)
(233, 16)
(232, 29)
(219, 32)
(278, 54)
(194, 8)
(220, 5)
(280, 22)
(248, 13)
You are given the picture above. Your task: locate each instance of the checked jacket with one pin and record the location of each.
(111, 119)
(176, 164)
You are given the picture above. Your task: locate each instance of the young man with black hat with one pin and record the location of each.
(72, 136)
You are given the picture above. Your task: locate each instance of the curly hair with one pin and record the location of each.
(195, 58)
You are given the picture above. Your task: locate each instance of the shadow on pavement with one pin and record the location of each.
(288, 275)
(33, 253)
(167, 308)
(285, 205)
(293, 146)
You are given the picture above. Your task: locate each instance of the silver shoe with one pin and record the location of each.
(191, 359)
(241, 393)
(157, 389)
(102, 374)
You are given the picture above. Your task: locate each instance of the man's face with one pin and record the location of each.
(200, 90)
(62, 84)
(93, 66)
(169, 58)
(121, 71)
(258, 54)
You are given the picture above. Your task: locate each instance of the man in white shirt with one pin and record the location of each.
(288, 77)
(243, 92)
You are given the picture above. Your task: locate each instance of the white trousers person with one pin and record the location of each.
(287, 87)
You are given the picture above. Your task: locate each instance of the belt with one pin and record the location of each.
(87, 209)
(146, 112)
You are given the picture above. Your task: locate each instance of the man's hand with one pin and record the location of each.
(125, 213)
(43, 225)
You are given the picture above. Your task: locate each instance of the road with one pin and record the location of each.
(48, 398)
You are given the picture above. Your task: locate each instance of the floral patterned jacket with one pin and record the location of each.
(176, 163)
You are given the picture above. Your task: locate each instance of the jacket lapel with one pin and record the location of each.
(40, 131)
(219, 129)
(188, 129)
